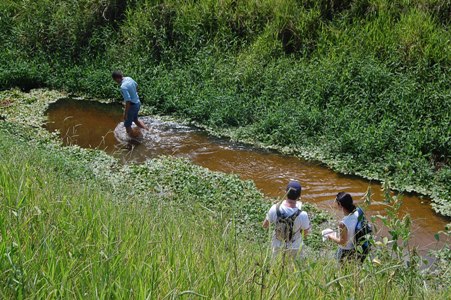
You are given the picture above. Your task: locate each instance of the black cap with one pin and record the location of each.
(294, 190)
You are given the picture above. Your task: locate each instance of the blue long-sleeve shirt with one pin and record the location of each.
(129, 90)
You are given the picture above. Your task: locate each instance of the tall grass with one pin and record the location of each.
(63, 236)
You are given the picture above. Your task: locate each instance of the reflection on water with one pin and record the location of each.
(94, 125)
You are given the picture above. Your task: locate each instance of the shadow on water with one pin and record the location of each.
(92, 124)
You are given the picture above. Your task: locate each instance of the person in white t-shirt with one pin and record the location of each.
(291, 224)
(346, 227)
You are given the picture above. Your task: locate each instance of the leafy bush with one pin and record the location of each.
(363, 82)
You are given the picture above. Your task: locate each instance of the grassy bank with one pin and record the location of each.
(361, 85)
(72, 227)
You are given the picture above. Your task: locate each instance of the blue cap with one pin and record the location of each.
(294, 190)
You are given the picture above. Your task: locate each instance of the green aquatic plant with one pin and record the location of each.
(281, 73)
(71, 227)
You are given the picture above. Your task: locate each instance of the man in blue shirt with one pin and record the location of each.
(129, 91)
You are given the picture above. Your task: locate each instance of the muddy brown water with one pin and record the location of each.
(92, 124)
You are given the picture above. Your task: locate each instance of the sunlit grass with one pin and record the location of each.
(361, 85)
(63, 236)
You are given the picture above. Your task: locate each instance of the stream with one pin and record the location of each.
(91, 124)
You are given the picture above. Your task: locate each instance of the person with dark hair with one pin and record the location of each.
(129, 91)
(291, 224)
(346, 227)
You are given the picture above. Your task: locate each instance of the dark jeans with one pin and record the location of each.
(132, 115)
(344, 255)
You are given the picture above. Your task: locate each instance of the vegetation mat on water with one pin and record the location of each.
(362, 85)
(77, 224)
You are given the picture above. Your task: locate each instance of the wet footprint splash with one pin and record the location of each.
(158, 132)
(121, 135)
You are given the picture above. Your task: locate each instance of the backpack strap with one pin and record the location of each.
(278, 212)
(293, 218)
(280, 215)
(295, 215)
(361, 215)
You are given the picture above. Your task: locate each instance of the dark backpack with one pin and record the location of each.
(285, 224)
(362, 231)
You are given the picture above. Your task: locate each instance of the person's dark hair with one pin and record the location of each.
(345, 200)
(117, 75)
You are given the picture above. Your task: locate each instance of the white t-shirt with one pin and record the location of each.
(350, 222)
(302, 222)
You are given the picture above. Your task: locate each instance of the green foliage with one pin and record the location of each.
(72, 227)
(362, 85)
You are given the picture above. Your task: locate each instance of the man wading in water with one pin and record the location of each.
(291, 224)
(129, 91)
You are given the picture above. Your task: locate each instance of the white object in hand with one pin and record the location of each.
(326, 232)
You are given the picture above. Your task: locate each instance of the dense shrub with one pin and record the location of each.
(365, 82)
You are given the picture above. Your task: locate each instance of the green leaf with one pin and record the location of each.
(437, 237)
